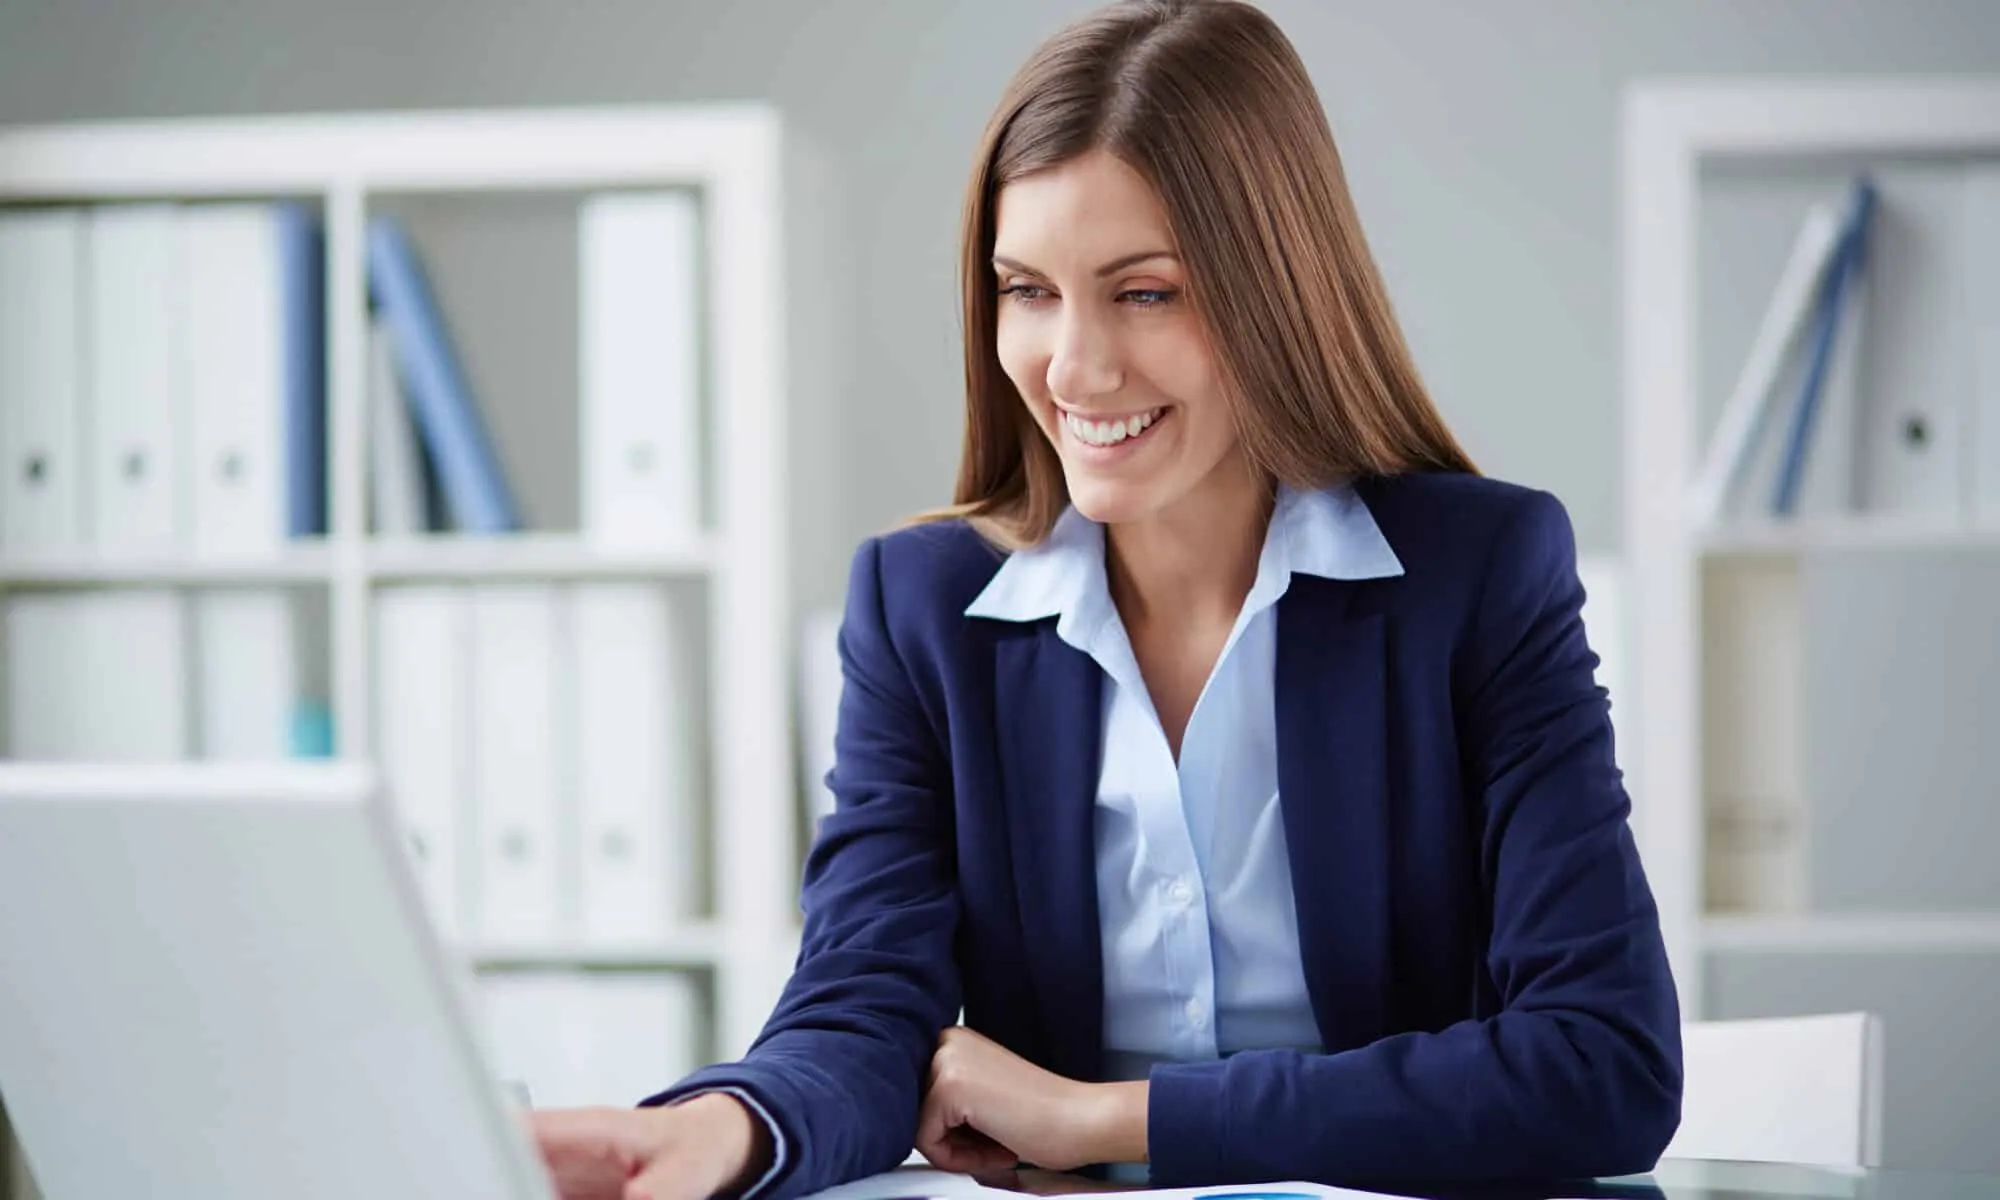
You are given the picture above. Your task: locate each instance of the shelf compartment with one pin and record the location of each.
(534, 556)
(1852, 933)
(306, 562)
(1857, 534)
(694, 946)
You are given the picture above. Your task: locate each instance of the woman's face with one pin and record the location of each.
(1096, 331)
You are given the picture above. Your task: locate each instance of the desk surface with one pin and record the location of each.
(1690, 1179)
(1672, 1179)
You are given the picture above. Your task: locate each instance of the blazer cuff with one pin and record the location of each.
(780, 1147)
(778, 1152)
(1187, 1123)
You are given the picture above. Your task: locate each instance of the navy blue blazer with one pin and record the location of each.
(1480, 944)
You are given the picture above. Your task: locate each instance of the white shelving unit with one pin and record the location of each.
(735, 155)
(1672, 131)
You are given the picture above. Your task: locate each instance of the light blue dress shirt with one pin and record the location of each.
(1194, 889)
(1194, 886)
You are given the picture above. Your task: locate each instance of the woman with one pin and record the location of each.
(1230, 751)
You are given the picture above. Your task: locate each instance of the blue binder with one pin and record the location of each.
(475, 489)
(1826, 326)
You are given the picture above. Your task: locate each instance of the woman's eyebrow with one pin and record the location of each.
(1116, 264)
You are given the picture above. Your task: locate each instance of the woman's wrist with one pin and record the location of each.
(1114, 1122)
(741, 1140)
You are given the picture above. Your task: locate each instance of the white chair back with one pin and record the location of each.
(1783, 1089)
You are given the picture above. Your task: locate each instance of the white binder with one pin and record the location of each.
(423, 718)
(234, 364)
(395, 468)
(1912, 449)
(247, 681)
(1830, 471)
(520, 712)
(580, 1039)
(630, 1034)
(41, 362)
(639, 342)
(1753, 727)
(1752, 418)
(634, 786)
(1982, 299)
(134, 411)
(97, 675)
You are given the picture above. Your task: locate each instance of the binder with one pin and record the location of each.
(1911, 456)
(630, 1034)
(252, 366)
(1822, 429)
(134, 410)
(97, 676)
(639, 343)
(445, 410)
(248, 678)
(1730, 462)
(520, 707)
(1753, 727)
(395, 465)
(41, 396)
(581, 1039)
(634, 783)
(421, 702)
(1981, 223)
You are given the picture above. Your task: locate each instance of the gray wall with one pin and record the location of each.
(1479, 137)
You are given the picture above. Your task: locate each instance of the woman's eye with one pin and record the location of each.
(1024, 293)
(1149, 297)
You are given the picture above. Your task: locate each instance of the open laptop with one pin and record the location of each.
(219, 981)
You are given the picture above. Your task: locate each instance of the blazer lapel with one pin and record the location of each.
(1048, 706)
(1333, 793)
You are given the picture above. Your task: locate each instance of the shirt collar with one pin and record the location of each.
(1327, 533)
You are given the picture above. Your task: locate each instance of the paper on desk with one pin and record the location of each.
(908, 1182)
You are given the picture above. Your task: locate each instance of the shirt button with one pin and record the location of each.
(1179, 892)
(1197, 1013)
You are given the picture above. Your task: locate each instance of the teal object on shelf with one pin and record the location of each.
(312, 730)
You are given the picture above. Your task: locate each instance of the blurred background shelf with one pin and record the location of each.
(292, 483)
(696, 946)
(1832, 535)
(532, 556)
(1809, 561)
(296, 563)
(1852, 933)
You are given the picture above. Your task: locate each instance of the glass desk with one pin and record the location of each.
(1692, 1179)
(1672, 1179)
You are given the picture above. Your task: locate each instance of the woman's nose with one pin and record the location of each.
(1085, 364)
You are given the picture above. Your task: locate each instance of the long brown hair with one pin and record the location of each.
(1208, 101)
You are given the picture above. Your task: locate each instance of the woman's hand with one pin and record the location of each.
(686, 1151)
(989, 1109)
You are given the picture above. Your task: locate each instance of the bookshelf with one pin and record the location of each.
(1715, 632)
(737, 942)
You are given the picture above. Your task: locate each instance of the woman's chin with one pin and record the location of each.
(1110, 501)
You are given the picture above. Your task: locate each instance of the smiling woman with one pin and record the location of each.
(1229, 750)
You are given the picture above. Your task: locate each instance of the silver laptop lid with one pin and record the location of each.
(219, 981)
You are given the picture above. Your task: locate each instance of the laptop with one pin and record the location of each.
(219, 981)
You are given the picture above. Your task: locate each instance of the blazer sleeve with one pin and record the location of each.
(838, 1068)
(1578, 1074)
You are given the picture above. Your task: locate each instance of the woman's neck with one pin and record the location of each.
(1195, 560)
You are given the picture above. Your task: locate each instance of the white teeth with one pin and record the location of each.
(1110, 433)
